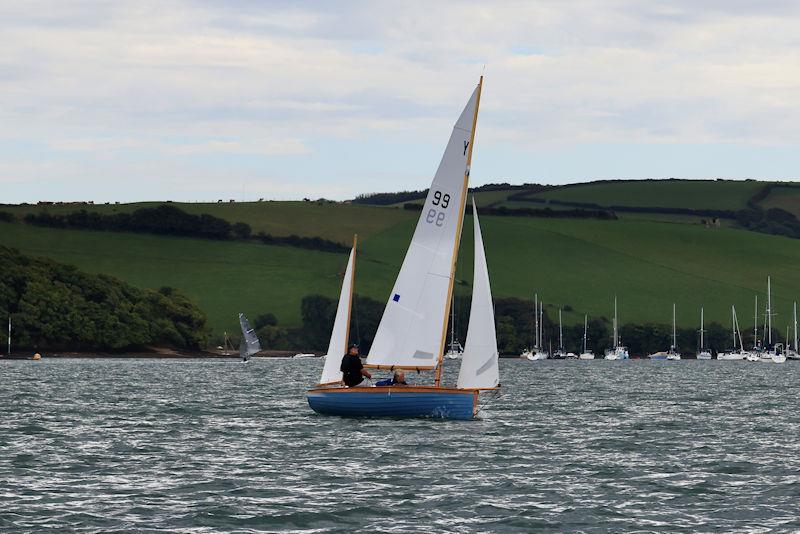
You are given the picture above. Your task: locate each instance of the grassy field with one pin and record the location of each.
(694, 194)
(337, 222)
(580, 263)
(786, 198)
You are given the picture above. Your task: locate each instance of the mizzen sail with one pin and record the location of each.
(479, 365)
(412, 330)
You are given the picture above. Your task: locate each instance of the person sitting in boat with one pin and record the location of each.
(399, 379)
(352, 369)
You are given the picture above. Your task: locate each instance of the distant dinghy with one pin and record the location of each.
(250, 344)
(413, 330)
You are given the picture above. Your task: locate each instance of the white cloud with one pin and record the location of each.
(163, 80)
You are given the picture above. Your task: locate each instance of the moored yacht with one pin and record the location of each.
(617, 350)
(702, 352)
(587, 353)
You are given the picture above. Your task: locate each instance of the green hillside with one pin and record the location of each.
(334, 221)
(692, 194)
(786, 198)
(579, 263)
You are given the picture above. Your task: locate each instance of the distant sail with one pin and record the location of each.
(412, 329)
(479, 365)
(341, 327)
(250, 344)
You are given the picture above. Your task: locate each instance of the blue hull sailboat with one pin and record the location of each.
(395, 401)
(413, 330)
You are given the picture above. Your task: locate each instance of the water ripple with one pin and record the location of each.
(216, 446)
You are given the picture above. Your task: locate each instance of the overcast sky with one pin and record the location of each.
(199, 100)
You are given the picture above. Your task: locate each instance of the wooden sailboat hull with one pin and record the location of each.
(400, 402)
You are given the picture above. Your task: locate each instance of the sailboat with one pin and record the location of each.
(413, 330)
(734, 353)
(561, 353)
(702, 352)
(792, 353)
(770, 353)
(587, 354)
(672, 353)
(455, 350)
(250, 344)
(617, 350)
(537, 353)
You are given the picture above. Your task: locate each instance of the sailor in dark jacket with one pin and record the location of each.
(352, 369)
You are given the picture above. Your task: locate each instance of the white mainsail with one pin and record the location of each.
(412, 330)
(341, 327)
(479, 365)
(250, 344)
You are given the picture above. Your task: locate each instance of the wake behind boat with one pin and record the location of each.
(413, 330)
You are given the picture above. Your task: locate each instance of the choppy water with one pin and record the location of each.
(207, 446)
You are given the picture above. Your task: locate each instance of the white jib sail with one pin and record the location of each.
(411, 330)
(250, 344)
(338, 343)
(479, 364)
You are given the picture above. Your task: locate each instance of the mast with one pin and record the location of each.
(585, 327)
(769, 314)
(541, 325)
(536, 321)
(755, 325)
(674, 337)
(352, 291)
(795, 326)
(8, 353)
(616, 335)
(739, 332)
(733, 325)
(701, 328)
(460, 221)
(452, 322)
(560, 332)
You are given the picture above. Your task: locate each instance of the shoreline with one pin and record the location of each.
(156, 353)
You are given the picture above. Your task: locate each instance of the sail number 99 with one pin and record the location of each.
(435, 216)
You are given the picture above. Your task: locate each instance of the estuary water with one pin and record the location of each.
(112, 445)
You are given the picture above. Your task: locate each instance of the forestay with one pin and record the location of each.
(479, 364)
(341, 327)
(411, 331)
(250, 344)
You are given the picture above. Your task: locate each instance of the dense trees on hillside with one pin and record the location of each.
(171, 220)
(56, 306)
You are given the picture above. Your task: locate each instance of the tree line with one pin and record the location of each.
(58, 307)
(385, 199)
(166, 219)
(547, 213)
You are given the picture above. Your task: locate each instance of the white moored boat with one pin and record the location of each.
(587, 354)
(734, 353)
(617, 350)
(672, 353)
(702, 352)
(536, 353)
(454, 350)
